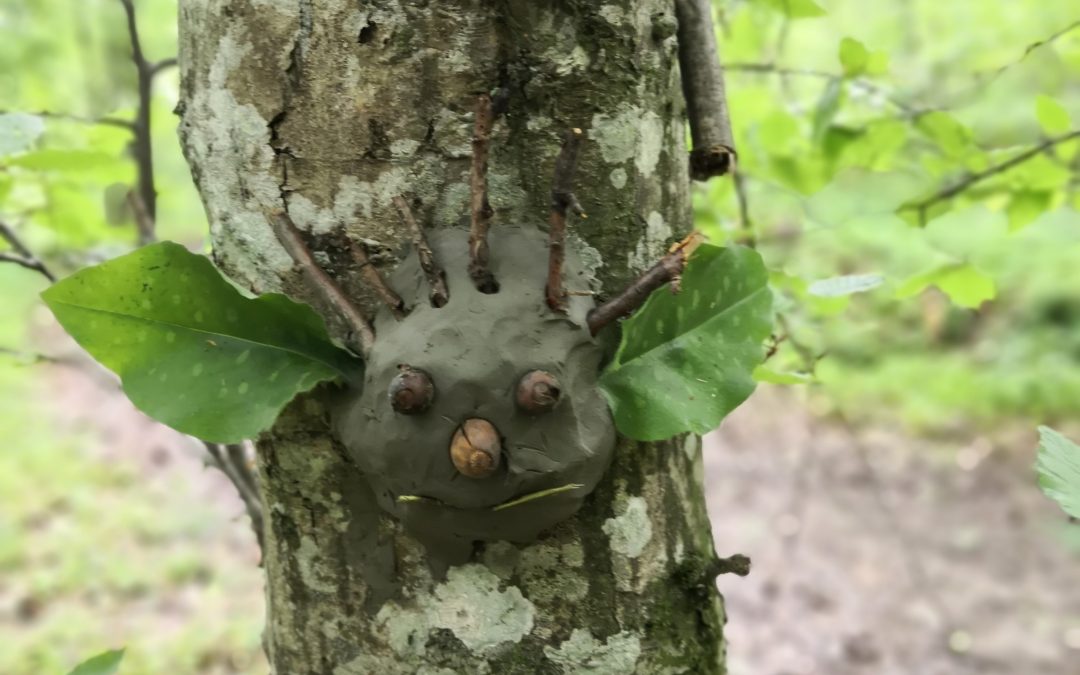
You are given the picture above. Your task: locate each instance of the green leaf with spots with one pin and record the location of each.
(191, 350)
(686, 360)
(1058, 466)
(105, 663)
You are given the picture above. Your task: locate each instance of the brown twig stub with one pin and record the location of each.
(562, 200)
(20, 254)
(374, 280)
(480, 208)
(667, 270)
(438, 293)
(232, 460)
(713, 153)
(362, 337)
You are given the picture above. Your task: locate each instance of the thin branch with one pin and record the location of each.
(970, 179)
(983, 81)
(372, 278)
(562, 200)
(480, 207)
(78, 119)
(161, 65)
(747, 225)
(142, 148)
(22, 255)
(668, 269)
(362, 337)
(144, 224)
(862, 83)
(438, 294)
(232, 460)
(713, 153)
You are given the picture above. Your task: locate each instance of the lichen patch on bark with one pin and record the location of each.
(585, 655)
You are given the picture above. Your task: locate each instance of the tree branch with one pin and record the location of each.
(372, 278)
(438, 294)
(970, 179)
(142, 148)
(232, 460)
(668, 269)
(862, 83)
(713, 153)
(362, 337)
(22, 255)
(562, 200)
(480, 207)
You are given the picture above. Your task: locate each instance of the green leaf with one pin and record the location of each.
(965, 285)
(766, 374)
(1052, 116)
(105, 663)
(1027, 205)
(67, 160)
(687, 360)
(18, 131)
(951, 136)
(796, 9)
(854, 57)
(1058, 466)
(845, 285)
(193, 352)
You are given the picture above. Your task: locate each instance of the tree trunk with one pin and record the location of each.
(331, 109)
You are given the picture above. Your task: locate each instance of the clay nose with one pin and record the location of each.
(475, 448)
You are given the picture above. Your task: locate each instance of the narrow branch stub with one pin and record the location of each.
(438, 293)
(363, 335)
(479, 268)
(667, 269)
(562, 200)
(713, 153)
(372, 278)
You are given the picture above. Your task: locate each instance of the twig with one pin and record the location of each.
(67, 117)
(668, 269)
(970, 179)
(480, 207)
(232, 460)
(144, 224)
(362, 338)
(747, 225)
(862, 83)
(22, 255)
(562, 200)
(809, 359)
(982, 82)
(372, 278)
(713, 153)
(142, 148)
(438, 294)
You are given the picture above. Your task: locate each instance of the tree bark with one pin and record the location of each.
(331, 109)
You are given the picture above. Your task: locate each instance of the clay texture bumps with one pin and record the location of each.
(476, 348)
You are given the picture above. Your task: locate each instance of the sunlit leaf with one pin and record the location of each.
(193, 352)
(105, 663)
(964, 284)
(796, 9)
(854, 57)
(954, 139)
(18, 131)
(687, 360)
(1053, 117)
(1027, 205)
(845, 285)
(1058, 467)
(827, 107)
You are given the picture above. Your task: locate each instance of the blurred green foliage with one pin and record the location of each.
(851, 119)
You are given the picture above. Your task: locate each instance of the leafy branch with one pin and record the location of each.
(970, 179)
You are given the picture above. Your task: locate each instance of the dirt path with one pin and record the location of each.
(887, 555)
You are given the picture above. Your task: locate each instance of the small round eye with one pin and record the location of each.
(537, 392)
(411, 391)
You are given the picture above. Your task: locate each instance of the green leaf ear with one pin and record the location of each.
(191, 350)
(686, 360)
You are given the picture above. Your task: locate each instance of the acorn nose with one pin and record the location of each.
(475, 448)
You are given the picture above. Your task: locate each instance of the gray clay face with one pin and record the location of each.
(471, 356)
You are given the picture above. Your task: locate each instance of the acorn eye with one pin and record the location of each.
(537, 392)
(411, 391)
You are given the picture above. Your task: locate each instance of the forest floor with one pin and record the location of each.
(873, 553)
